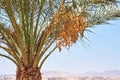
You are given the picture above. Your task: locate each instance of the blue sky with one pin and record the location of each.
(103, 53)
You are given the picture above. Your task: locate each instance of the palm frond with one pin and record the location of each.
(8, 57)
(104, 17)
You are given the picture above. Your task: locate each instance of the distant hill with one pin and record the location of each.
(57, 75)
(105, 73)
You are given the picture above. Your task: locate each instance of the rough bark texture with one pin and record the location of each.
(28, 74)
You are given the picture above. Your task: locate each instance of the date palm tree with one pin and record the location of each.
(30, 30)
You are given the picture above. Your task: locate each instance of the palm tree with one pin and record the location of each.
(30, 30)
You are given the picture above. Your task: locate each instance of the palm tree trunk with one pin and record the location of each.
(28, 74)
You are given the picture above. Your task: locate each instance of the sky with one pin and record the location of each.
(100, 53)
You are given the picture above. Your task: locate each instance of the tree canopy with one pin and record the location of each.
(30, 30)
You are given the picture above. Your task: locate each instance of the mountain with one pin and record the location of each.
(7, 77)
(105, 73)
(111, 73)
(57, 75)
